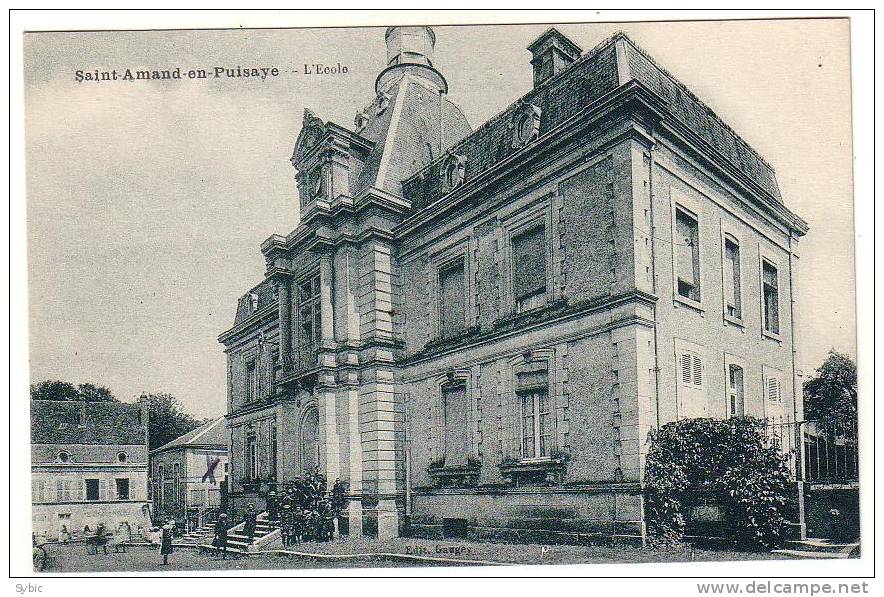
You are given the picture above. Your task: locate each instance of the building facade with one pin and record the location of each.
(88, 467)
(476, 330)
(189, 475)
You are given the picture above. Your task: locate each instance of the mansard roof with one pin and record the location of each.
(97, 423)
(565, 95)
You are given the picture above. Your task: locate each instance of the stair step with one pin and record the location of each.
(819, 555)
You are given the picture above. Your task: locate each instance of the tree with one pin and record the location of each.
(66, 391)
(832, 394)
(166, 420)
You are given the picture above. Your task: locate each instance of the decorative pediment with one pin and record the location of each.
(312, 131)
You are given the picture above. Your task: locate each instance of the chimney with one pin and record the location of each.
(410, 51)
(551, 53)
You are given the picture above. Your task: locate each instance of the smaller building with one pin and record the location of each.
(88, 467)
(189, 475)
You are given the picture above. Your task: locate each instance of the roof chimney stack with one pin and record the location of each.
(551, 53)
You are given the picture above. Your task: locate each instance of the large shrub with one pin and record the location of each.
(731, 459)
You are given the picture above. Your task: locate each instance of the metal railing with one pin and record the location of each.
(829, 453)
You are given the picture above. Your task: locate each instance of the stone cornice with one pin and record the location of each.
(261, 316)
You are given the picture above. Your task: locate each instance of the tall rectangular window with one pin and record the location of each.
(251, 456)
(122, 489)
(273, 450)
(176, 468)
(687, 255)
(732, 294)
(770, 288)
(310, 314)
(535, 414)
(251, 380)
(452, 299)
(529, 269)
(92, 490)
(158, 489)
(735, 391)
(456, 408)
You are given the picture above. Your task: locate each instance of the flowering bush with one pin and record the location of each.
(728, 458)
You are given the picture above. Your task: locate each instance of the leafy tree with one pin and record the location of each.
(832, 394)
(730, 459)
(65, 391)
(166, 419)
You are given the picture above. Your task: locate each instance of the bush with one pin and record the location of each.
(728, 458)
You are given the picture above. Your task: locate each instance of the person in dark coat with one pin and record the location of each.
(221, 535)
(168, 531)
(251, 521)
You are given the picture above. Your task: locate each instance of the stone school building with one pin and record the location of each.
(476, 329)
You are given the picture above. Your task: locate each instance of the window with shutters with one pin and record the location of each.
(535, 414)
(176, 475)
(735, 400)
(686, 245)
(732, 293)
(773, 390)
(770, 298)
(529, 269)
(690, 380)
(691, 369)
(452, 299)
(251, 458)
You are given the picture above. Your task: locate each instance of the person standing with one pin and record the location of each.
(221, 535)
(251, 521)
(168, 531)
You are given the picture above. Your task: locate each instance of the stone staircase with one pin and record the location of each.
(204, 534)
(818, 548)
(266, 530)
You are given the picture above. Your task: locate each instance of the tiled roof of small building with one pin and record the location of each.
(568, 93)
(213, 433)
(101, 423)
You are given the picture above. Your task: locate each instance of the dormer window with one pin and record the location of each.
(452, 173)
(63, 457)
(122, 457)
(383, 102)
(526, 125)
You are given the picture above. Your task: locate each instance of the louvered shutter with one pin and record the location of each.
(697, 370)
(686, 368)
(59, 491)
(102, 490)
(81, 490)
(773, 389)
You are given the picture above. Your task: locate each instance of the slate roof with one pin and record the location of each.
(213, 433)
(96, 423)
(572, 90)
(264, 290)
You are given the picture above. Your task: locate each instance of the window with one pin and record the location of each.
(536, 418)
(529, 269)
(687, 255)
(770, 287)
(176, 477)
(273, 449)
(452, 299)
(732, 295)
(251, 380)
(455, 407)
(690, 375)
(691, 370)
(310, 313)
(92, 490)
(64, 490)
(277, 370)
(122, 457)
(735, 406)
(122, 489)
(161, 475)
(64, 457)
(252, 456)
(38, 490)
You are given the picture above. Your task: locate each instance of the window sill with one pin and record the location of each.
(771, 336)
(735, 321)
(678, 299)
(547, 470)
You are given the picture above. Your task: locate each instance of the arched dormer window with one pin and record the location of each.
(122, 457)
(63, 456)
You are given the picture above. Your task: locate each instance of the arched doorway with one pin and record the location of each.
(310, 440)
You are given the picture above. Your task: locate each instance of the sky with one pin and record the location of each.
(147, 201)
